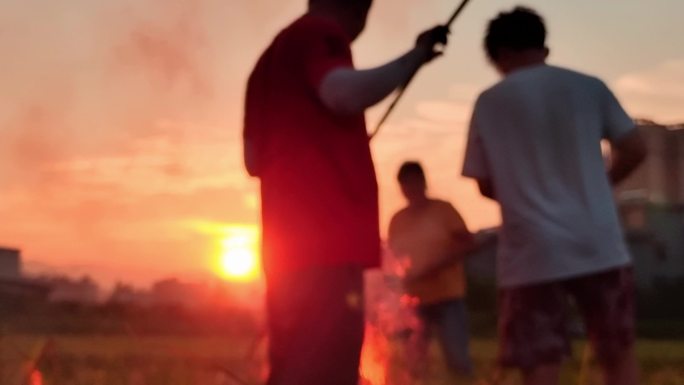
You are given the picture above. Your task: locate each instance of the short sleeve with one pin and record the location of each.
(254, 123)
(475, 164)
(616, 122)
(322, 48)
(254, 100)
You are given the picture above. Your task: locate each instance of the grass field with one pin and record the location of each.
(128, 360)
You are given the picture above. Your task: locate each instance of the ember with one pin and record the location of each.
(374, 357)
(36, 378)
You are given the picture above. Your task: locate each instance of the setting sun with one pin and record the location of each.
(239, 260)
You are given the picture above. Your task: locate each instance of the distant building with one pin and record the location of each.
(175, 292)
(655, 232)
(651, 203)
(651, 206)
(661, 178)
(13, 287)
(10, 264)
(124, 294)
(64, 289)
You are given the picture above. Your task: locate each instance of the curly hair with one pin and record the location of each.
(520, 29)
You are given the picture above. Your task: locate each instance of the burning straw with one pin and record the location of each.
(392, 328)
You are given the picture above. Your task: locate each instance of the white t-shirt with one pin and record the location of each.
(536, 136)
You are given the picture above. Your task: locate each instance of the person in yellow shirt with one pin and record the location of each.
(433, 238)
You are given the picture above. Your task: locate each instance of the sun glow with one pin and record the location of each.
(239, 257)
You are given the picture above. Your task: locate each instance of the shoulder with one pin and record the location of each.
(261, 64)
(444, 207)
(481, 103)
(440, 204)
(309, 29)
(489, 93)
(398, 223)
(490, 96)
(449, 215)
(577, 78)
(399, 216)
(486, 107)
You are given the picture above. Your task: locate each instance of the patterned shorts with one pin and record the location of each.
(534, 320)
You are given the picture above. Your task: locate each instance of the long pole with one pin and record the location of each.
(402, 89)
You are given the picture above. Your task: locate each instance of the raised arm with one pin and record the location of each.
(349, 91)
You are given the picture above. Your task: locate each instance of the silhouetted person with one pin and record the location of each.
(305, 139)
(432, 235)
(535, 147)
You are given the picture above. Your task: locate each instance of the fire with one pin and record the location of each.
(239, 258)
(374, 357)
(36, 377)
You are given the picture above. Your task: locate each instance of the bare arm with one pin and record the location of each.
(349, 91)
(628, 149)
(627, 154)
(462, 245)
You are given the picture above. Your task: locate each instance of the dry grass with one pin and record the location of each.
(124, 360)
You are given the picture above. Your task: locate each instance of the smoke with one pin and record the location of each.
(117, 71)
(119, 119)
(96, 85)
(170, 51)
(394, 347)
(116, 125)
(32, 140)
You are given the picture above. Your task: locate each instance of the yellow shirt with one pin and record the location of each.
(423, 235)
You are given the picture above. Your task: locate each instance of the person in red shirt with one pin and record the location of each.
(305, 138)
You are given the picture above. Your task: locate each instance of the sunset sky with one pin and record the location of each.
(120, 120)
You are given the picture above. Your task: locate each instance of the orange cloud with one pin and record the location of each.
(121, 122)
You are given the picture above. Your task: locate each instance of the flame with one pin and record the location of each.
(374, 357)
(36, 377)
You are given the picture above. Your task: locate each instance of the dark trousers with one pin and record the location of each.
(315, 325)
(448, 321)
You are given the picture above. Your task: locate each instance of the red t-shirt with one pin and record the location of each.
(319, 193)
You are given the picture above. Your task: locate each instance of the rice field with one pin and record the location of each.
(131, 360)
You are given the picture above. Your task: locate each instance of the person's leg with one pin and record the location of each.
(606, 301)
(542, 375)
(624, 370)
(532, 331)
(419, 343)
(316, 327)
(453, 333)
(281, 322)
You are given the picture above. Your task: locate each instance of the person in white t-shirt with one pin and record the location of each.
(535, 147)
